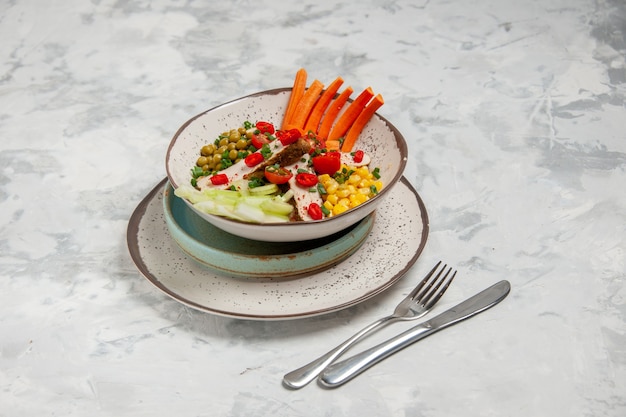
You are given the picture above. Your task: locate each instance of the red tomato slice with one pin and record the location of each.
(317, 144)
(265, 127)
(358, 156)
(277, 175)
(315, 211)
(259, 140)
(306, 180)
(327, 163)
(219, 179)
(253, 159)
(287, 137)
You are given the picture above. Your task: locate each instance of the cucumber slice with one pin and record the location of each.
(256, 208)
(277, 206)
(264, 189)
(249, 212)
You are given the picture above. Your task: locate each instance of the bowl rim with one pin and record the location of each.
(400, 142)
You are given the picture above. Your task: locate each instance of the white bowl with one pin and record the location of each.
(379, 139)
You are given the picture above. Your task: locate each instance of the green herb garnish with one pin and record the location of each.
(343, 175)
(255, 182)
(266, 151)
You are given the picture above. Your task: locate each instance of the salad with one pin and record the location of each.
(307, 169)
(256, 173)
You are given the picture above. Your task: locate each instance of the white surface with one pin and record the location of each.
(514, 113)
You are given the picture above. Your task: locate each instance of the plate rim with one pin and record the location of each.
(132, 241)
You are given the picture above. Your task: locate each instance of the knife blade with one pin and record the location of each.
(343, 371)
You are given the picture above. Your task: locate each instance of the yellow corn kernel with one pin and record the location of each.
(354, 201)
(339, 208)
(379, 185)
(354, 179)
(343, 193)
(329, 181)
(364, 190)
(351, 188)
(361, 198)
(328, 205)
(323, 178)
(332, 199)
(344, 202)
(331, 187)
(362, 172)
(364, 184)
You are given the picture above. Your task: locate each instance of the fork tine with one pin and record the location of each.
(435, 284)
(421, 285)
(430, 303)
(429, 288)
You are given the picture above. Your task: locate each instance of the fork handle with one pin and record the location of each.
(341, 372)
(300, 377)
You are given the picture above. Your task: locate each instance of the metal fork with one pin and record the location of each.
(415, 305)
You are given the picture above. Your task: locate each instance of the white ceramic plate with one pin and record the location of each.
(395, 242)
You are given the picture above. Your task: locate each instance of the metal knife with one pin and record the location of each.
(343, 371)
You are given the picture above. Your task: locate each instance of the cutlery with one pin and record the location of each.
(341, 372)
(415, 305)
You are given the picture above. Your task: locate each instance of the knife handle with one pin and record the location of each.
(341, 372)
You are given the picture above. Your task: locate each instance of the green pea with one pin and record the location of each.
(207, 150)
(241, 144)
(203, 160)
(234, 136)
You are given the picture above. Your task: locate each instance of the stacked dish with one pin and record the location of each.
(276, 270)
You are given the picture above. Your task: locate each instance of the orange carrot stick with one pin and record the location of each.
(304, 107)
(349, 116)
(322, 104)
(333, 145)
(333, 110)
(360, 122)
(297, 91)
